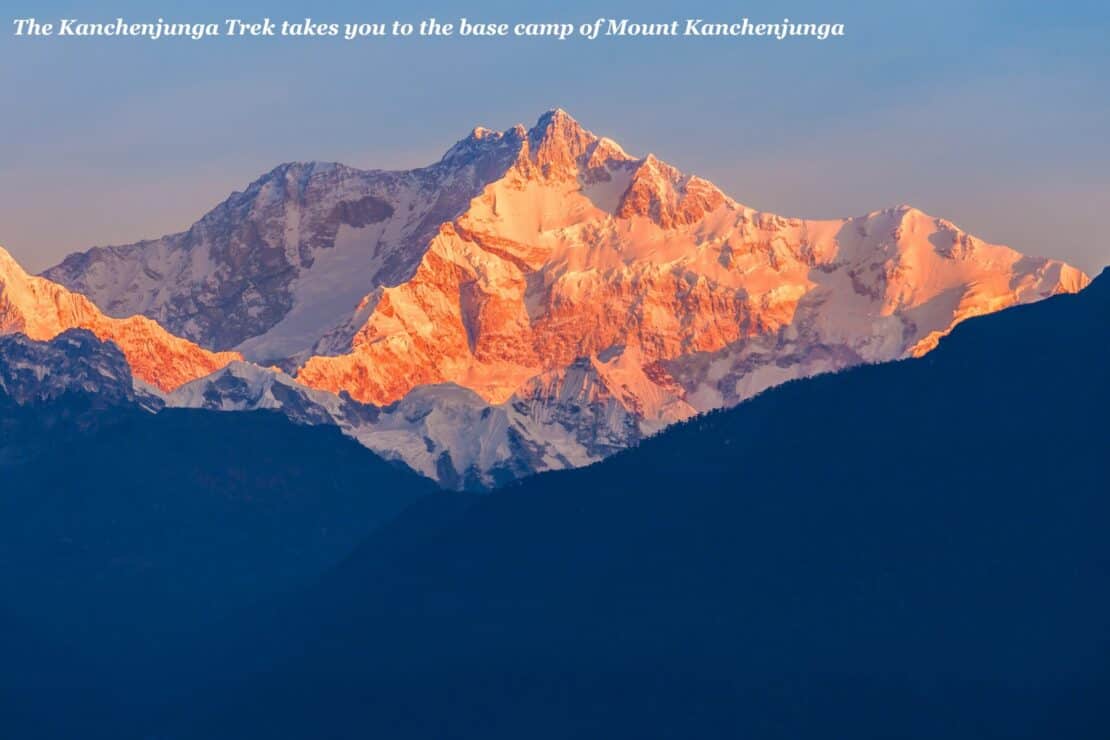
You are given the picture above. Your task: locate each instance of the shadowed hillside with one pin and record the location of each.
(123, 533)
(915, 549)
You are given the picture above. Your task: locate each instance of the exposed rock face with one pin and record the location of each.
(540, 298)
(274, 264)
(53, 392)
(41, 309)
(75, 361)
(579, 249)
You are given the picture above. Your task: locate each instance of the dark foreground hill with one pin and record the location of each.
(914, 550)
(187, 513)
(124, 533)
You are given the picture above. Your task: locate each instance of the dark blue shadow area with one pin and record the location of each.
(916, 550)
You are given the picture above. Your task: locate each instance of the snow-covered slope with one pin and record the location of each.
(445, 432)
(540, 298)
(274, 268)
(546, 266)
(41, 309)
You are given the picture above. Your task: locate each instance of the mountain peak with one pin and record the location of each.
(555, 115)
(660, 192)
(16, 294)
(557, 142)
(42, 309)
(8, 265)
(556, 146)
(473, 143)
(556, 122)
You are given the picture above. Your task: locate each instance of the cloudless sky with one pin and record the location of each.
(995, 115)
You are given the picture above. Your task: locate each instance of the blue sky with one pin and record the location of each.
(994, 115)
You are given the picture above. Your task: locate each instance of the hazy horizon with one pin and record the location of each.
(993, 116)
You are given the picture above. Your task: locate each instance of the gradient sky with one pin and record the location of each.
(995, 115)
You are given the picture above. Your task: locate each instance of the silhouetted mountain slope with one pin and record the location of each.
(916, 549)
(187, 512)
(46, 691)
(123, 532)
(53, 392)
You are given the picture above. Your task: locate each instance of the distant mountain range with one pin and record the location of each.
(741, 475)
(536, 300)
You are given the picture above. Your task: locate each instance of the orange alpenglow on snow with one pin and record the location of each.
(42, 309)
(580, 250)
(535, 300)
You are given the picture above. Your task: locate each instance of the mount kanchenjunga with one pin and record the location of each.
(581, 251)
(41, 310)
(547, 288)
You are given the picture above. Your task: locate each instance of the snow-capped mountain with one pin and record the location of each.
(41, 309)
(580, 249)
(539, 298)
